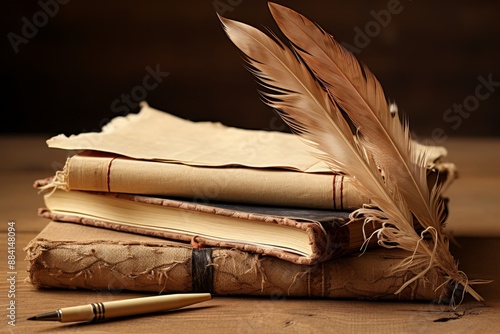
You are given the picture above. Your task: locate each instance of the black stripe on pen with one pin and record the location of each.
(98, 310)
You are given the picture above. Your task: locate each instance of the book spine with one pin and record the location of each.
(163, 268)
(241, 185)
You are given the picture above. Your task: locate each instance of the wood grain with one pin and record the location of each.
(479, 258)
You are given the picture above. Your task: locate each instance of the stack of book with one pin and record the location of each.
(157, 203)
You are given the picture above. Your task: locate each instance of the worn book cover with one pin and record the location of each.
(74, 256)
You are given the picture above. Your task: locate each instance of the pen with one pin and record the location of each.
(121, 308)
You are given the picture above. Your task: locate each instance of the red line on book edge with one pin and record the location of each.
(342, 192)
(334, 183)
(108, 174)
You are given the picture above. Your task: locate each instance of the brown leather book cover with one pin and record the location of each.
(74, 256)
(323, 234)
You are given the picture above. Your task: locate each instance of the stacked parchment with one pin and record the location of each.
(205, 169)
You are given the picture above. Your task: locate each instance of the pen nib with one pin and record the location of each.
(50, 316)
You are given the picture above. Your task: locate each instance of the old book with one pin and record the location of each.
(303, 236)
(82, 257)
(105, 172)
(218, 163)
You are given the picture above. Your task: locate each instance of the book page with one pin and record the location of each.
(156, 135)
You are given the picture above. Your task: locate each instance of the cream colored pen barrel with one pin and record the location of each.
(121, 308)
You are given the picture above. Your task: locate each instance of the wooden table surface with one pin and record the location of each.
(474, 207)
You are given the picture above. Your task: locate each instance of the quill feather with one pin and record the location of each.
(307, 108)
(314, 114)
(354, 87)
(309, 111)
(357, 91)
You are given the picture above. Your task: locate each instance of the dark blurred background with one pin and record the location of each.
(68, 65)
